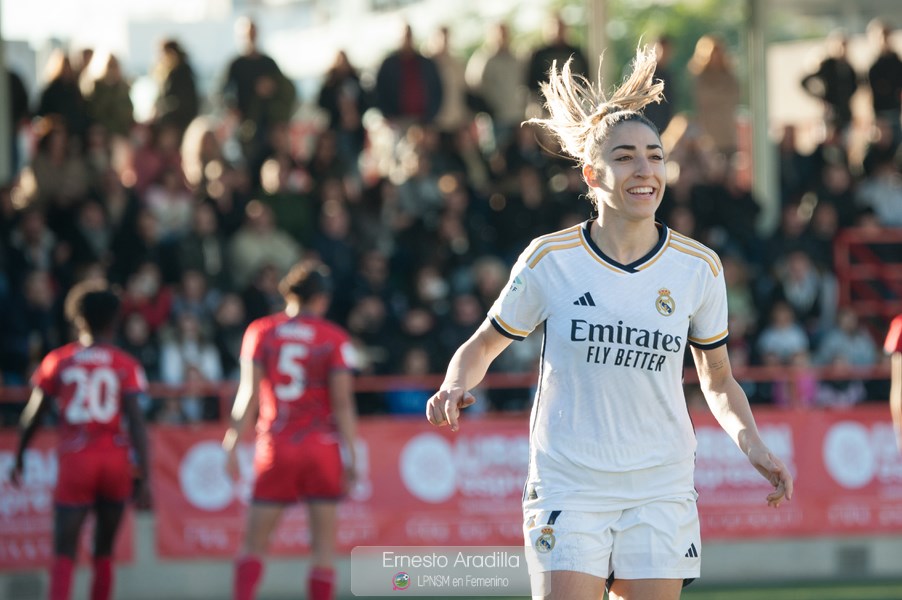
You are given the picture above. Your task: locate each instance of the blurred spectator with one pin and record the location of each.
(835, 187)
(257, 92)
(229, 324)
(345, 101)
(62, 96)
(260, 242)
(782, 337)
(660, 113)
(370, 324)
(495, 74)
(410, 399)
(454, 111)
(145, 293)
(137, 339)
(107, 94)
(30, 326)
(795, 168)
(885, 77)
(156, 149)
(881, 192)
(557, 47)
(261, 295)
(336, 248)
(285, 191)
(798, 386)
(140, 242)
(881, 146)
(92, 236)
(19, 114)
(834, 82)
(31, 246)
(57, 177)
(822, 231)
(810, 292)
(847, 342)
(715, 92)
(177, 102)
(194, 295)
(408, 85)
(203, 248)
(187, 357)
(171, 203)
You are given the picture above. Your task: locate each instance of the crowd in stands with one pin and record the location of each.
(419, 191)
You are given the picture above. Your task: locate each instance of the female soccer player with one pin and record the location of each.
(609, 496)
(296, 367)
(94, 384)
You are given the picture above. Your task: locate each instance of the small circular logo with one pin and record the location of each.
(400, 581)
(427, 468)
(848, 455)
(203, 477)
(545, 543)
(665, 304)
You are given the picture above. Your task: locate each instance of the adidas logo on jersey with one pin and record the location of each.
(585, 300)
(692, 552)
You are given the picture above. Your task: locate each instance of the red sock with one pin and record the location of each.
(321, 583)
(248, 571)
(61, 578)
(102, 582)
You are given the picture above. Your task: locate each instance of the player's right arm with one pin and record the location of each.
(38, 404)
(467, 368)
(243, 410)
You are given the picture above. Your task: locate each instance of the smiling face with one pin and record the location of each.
(629, 181)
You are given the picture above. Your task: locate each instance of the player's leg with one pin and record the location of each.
(262, 519)
(67, 523)
(656, 550)
(638, 589)
(321, 481)
(564, 585)
(76, 488)
(323, 531)
(109, 517)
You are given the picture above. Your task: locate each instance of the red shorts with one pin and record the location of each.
(310, 469)
(89, 476)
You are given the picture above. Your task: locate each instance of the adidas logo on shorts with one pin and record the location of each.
(692, 552)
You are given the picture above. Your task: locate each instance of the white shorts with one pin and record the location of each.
(658, 540)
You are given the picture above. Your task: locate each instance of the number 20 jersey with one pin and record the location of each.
(297, 355)
(89, 383)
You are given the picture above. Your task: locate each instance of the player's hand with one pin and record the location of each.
(142, 493)
(444, 407)
(350, 477)
(15, 474)
(773, 469)
(232, 467)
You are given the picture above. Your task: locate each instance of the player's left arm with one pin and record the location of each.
(895, 395)
(730, 406)
(137, 431)
(29, 421)
(341, 396)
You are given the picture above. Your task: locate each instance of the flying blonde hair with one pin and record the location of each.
(581, 116)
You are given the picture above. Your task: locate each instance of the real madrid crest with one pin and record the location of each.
(665, 303)
(545, 543)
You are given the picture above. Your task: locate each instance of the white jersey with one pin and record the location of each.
(609, 426)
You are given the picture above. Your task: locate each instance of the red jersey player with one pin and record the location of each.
(94, 385)
(893, 347)
(296, 371)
